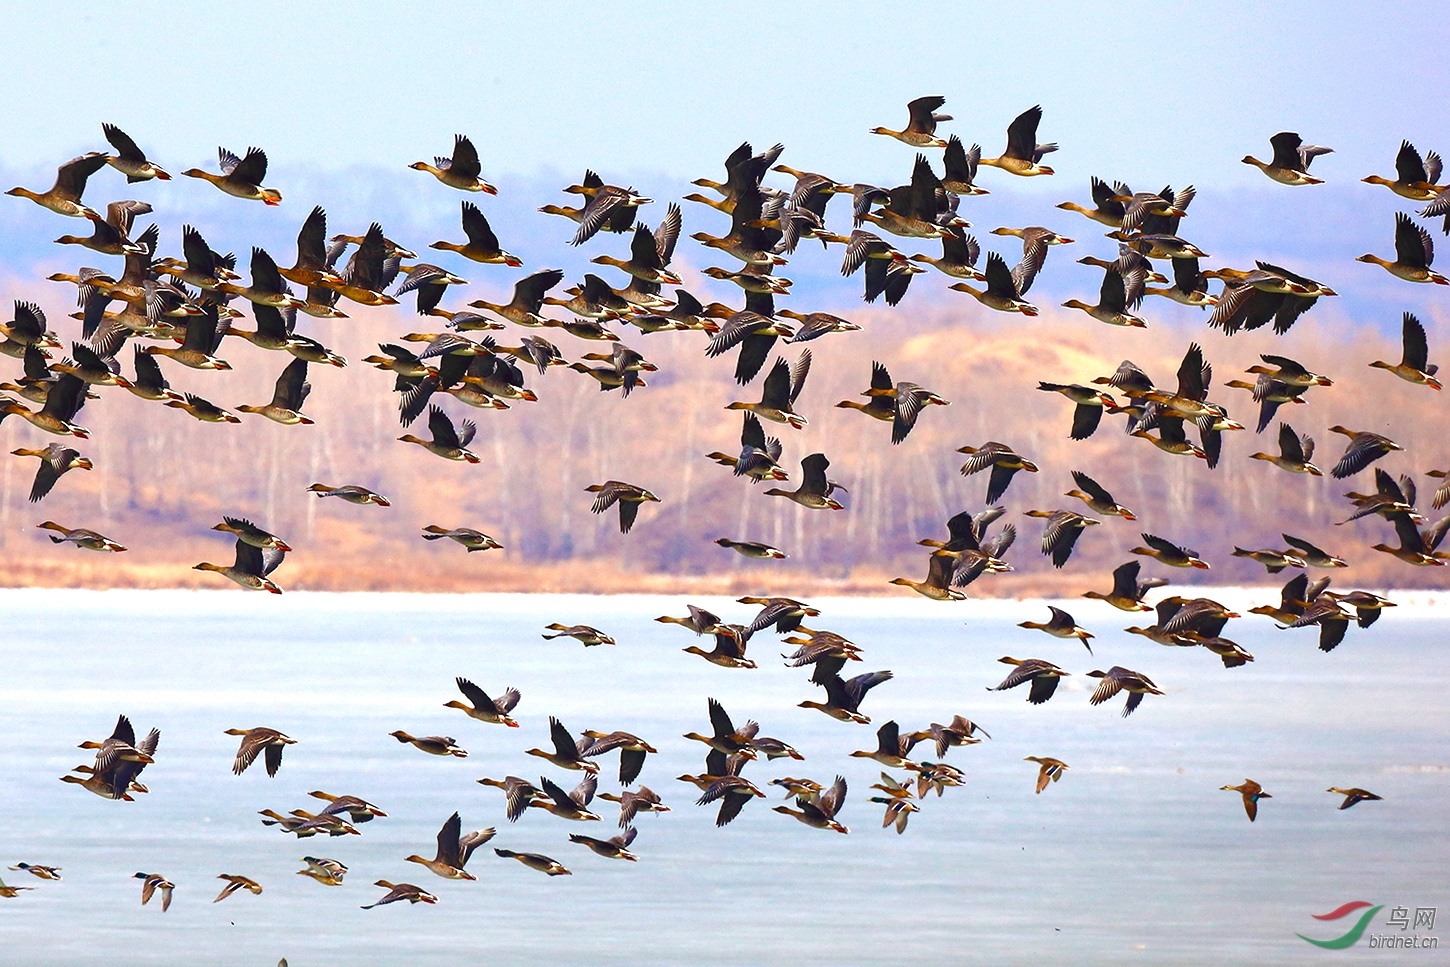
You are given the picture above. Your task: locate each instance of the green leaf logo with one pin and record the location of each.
(1349, 939)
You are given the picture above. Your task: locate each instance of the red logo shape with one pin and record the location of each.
(1335, 914)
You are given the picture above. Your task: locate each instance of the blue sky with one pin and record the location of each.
(343, 99)
(1136, 90)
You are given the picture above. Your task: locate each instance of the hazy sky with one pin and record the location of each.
(1133, 90)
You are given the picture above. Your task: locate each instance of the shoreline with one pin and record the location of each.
(1414, 602)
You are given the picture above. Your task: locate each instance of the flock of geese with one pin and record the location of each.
(177, 312)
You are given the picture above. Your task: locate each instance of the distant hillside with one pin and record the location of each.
(162, 479)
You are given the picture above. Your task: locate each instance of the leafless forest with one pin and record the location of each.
(161, 479)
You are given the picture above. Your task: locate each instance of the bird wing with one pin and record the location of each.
(1289, 445)
(798, 373)
(1191, 382)
(1091, 487)
(1022, 134)
(465, 158)
(274, 758)
(997, 484)
(1125, 580)
(1159, 544)
(291, 386)
(448, 841)
(1060, 536)
(250, 170)
(1042, 689)
(923, 118)
(631, 763)
(857, 687)
(813, 473)
(909, 400)
(123, 144)
(441, 427)
(1109, 686)
(720, 721)
(564, 744)
(476, 227)
(1286, 151)
(1416, 349)
(1034, 254)
(475, 695)
(1363, 450)
(830, 801)
(628, 511)
(643, 251)
(596, 212)
(70, 178)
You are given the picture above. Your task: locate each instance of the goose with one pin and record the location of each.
(819, 809)
(1023, 152)
(1003, 460)
(446, 442)
(431, 744)
(1115, 298)
(1292, 157)
(628, 496)
(1092, 493)
(1061, 532)
(536, 861)
(1088, 412)
(632, 752)
(401, 891)
(257, 741)
(843, 696)
(814, 492)
(482, 244)
(454, 849)
(1364, 448)
(920, 129)
(1295, 452)
(328, 872)
(352, 493)
(241, 177)
(1107, 209)
(1041, 673)
(1413, 366)
(613, 848)
(1414, 254)
(55, 461)
(472, 540)
(1119, 679)
(358, 810)
(646, 800)
(291, 391)
(783, 385)
(1414, 178)
(568, 753)
(1061, 625)
(64, 197)
(251, 569)
(1001, 292)
(460, 171)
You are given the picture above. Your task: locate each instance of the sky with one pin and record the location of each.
(1136, 90)
(344, 98)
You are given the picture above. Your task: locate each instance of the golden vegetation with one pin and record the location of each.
(162, 479)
